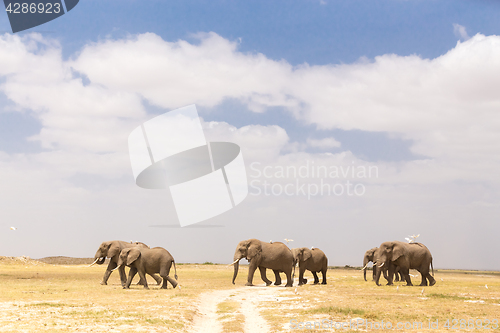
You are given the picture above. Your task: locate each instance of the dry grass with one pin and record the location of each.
(64, 298)
(232, 319)
(35, 296)
(346, 297)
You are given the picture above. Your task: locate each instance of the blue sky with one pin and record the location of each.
(315, 32)
(408, 86)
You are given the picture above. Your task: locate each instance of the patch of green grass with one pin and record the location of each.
(444, 296)
(54, 305)
(336, 309)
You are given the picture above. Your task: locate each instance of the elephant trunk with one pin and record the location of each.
(377, 275)
(99, 258)
(95, 261)
(236, 264)
(365, 263)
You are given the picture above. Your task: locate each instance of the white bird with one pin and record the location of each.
(423, 291)
(270, 241)
(288, 240)
(409, 240)
(13, 228)
(486, 286)
(397, 288)
(296, 291)
(312, 247)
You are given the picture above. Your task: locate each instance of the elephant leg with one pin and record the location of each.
(157, 278)
(427, 276)
(112, 265)
(264, 277)
(131, 275)
(123, 275)
(164, 273)
(385, 275)
(251, 272)
(301, 276)
(424, 280)
(169, 279)
(316, 279)
(406, 274)
(431, 279)
(323, 272)
(289, 278)
(277, 277)
(143, 277)
(390, 275)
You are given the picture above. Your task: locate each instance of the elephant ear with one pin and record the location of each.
(133, 255)
(113, 250)
(307, 254)
(397, 251)
(253, 251)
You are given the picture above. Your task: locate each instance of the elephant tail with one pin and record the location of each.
(175, 270)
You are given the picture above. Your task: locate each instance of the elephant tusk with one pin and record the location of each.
(364, 267)
(114, 269)
(382, 264)
(92, 264)
(234, 262)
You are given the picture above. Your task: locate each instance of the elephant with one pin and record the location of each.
(368, 257)
(112, 250)
(313, 260)
(150, 261)
(406, 256)
(276, 256)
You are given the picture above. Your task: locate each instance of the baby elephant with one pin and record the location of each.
(313, 260)
(148, 261)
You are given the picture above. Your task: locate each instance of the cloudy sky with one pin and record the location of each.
(407, 90)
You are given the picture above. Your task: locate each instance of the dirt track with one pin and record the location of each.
(207, 319)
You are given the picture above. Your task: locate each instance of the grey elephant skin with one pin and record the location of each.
(276, 256)
(313, 260)
(112, 249)
(148, 261)
(406, 256)
(369, 257)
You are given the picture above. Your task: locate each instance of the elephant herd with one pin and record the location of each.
(390, 258)
(279, 258)
(140, 258)
(398, 258)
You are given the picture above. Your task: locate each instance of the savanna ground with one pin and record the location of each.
(46, 297)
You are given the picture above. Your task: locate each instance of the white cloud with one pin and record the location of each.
(448, 106)
(323, 143)
(460, 31)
